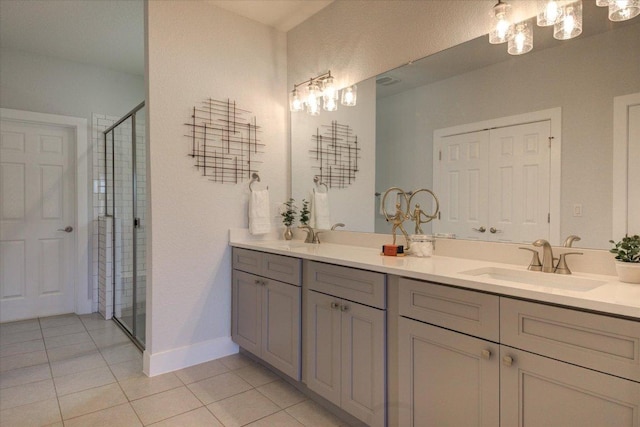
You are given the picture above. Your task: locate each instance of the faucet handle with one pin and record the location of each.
(535, 264)
(562, 267)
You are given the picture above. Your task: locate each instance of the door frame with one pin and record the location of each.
(82, 294)
(554, 115)
(621, 143)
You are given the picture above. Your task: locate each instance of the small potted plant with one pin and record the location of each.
(627, 253)
(304, 213)
(288, 217)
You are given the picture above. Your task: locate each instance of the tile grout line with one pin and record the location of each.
(51, 372)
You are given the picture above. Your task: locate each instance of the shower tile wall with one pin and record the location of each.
(124, 210)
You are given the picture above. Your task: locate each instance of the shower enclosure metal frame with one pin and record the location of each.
(136, 220)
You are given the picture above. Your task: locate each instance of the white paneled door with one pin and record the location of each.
(494, 184)
(37, 202)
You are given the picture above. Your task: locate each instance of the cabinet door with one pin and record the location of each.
(323, 345)
(363, 362)
(540, 392)
(247, 311)
(446, 378)
(281, 327)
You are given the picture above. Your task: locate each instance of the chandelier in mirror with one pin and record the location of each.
(320, 89)
(565, 16)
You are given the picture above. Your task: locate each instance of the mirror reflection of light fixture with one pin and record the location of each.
(571, 24)
(549, 12)
(500, 31)
(350, 95)
(323, 88)
(621, 10)
(522, 39)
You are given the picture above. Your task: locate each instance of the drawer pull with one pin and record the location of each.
(486, 354)
(335, 305)
(344, 307)
(507, 361)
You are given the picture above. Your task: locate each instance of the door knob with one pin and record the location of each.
(67, 229)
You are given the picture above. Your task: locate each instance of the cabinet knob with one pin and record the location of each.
(494, 230)
(265, 283)
(480, 230)
(507, 361)
(258, 282)
(335, 305)
(486, 354)
(344, 307)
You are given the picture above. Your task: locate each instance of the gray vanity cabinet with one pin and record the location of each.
(554, 386)
(447, 378)
(529, 364)
(345, 340)
(537, 391)
(266, 311)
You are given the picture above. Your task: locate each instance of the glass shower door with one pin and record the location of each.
(126, 172)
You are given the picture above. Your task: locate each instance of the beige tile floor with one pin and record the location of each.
(74, 370)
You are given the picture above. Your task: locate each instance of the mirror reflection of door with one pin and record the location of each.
(494, 184)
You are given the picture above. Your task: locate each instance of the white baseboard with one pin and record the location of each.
(183, 357)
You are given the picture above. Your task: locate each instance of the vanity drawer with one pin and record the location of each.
(595, 341)
(246, 260)
(282, 268)
(365, 287)
(277, 267)
(469, 312)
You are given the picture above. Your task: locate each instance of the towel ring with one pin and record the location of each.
(319, 183)
(254, 178)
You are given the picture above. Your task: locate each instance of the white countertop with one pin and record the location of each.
(612, 296)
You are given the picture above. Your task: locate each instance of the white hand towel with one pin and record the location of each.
(321, 211)
(259, 212)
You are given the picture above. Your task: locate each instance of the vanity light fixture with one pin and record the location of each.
(500, 23)
(570, 25)
(319, 88)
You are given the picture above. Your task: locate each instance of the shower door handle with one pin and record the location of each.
(136, 223)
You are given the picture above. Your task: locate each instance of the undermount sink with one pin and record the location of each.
(548, 280)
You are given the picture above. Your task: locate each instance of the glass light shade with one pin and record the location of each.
(313, 99)
(329, 90)
(571, 24)
(329, 104)
(621, 10)
(329, 95)
(500, 23)
(350, 95)
(522, 40)
(295, 102)
(549, 12)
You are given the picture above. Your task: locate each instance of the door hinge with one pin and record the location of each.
(548, 218)
(440, 155)
(550, 138)
(438, 214)
(136, 223)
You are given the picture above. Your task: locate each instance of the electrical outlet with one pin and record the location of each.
(577, 210)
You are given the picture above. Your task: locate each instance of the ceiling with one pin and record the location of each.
(110, 33)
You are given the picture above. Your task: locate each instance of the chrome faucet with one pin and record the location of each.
(547, 255)
(312, 235)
